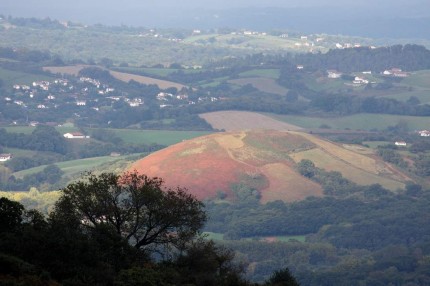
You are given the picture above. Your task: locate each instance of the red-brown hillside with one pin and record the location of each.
(262, 160)
(211, 164)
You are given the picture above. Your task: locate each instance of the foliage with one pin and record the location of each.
(10, 215)
(73, 251)
(136, 207)
(43, 138)
(407, 57)
(391, 156)
(282, 278)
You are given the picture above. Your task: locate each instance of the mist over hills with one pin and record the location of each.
(392, 19)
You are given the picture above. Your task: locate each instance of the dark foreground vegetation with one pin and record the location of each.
(116, 230)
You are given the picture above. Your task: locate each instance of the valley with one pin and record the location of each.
(308, 151)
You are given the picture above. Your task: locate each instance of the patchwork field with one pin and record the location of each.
(265, 161)
(263, 84)
(162, 84)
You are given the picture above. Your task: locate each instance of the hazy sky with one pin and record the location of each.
(80, 8)
(334, 15)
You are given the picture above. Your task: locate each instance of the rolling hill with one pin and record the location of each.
(216, 164)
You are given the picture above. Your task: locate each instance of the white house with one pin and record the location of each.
(75, 135)
(334, 74)
(360, 80)
(5, 157)
(400, 143)
(424, 133)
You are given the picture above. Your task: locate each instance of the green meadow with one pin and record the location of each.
(361, 121)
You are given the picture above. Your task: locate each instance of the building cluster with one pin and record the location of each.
(395, 72)
(59, 92)
(181, 99)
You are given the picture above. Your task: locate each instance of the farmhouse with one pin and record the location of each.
(75, 135)
(360, 80)
(396, 72)
(424, 133)
(400, 143)
(334, 74)
(5, 157)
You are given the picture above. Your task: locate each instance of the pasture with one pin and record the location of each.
(162, 84)
(267, 73)
(362, 172)
(10, 77)
(73, 167)
(268, 85)
(361, 121)
(418, 79)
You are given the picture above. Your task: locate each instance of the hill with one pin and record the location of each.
(223, 164)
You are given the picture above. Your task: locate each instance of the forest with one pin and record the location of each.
(354, 235)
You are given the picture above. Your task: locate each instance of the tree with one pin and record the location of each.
(46, 138)
(10, 214)
(137, 207)
(282, 278)
(307, 168)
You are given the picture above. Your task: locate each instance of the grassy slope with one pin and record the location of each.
(74, 166)
(267, 73)
(134, 136)
(356, 121)
(10, 78)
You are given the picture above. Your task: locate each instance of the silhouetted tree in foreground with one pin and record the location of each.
(110, 230)
(136, 207)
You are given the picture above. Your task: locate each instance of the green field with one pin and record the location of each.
(375, 144)
(269, 73)
(150, 71)
(357, 121)
(162, 137)
(29, 129)
(422, 94)
(19, 152)
(10, 77)
(134, 136)
(419, 79)
(73, 167)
